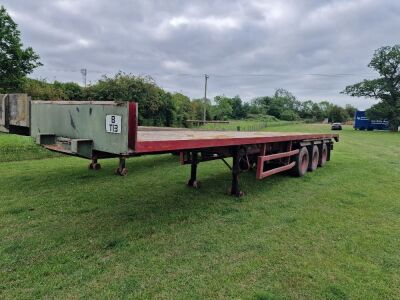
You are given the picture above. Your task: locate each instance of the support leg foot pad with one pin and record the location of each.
(232, 192)
(121, 171)
(94, 166)
(194, 184)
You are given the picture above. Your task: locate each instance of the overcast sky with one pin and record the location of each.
(248, 47)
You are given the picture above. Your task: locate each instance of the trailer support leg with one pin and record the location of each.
(235, 189)
(121, 170)
(193, 171)
(94, 165)
(330, 147)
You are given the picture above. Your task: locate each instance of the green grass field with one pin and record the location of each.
(16, 148)
(68, 232)
(254, 124)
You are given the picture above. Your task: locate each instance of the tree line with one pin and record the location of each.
(159, 107)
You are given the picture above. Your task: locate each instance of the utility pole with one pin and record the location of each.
(205, 98)
(84, 73)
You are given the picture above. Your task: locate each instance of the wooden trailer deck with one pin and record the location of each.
(157, 140)
(267, 153)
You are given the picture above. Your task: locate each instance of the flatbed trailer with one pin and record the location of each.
(104, 129)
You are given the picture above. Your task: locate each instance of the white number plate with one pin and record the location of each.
(113, 123)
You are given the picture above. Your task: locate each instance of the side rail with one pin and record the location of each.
(281, 156)
(299, 157)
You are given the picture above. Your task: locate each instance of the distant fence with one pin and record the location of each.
(252, 127)
(246, 125)
(238, 127)
(202, 122)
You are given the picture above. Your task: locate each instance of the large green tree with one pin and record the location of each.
(183, 108)
(386, 88)
(338, 114)
(156, 106)
(15, 62)
(282, 101)
(223, 108)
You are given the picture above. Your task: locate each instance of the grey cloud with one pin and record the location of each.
(230, 40)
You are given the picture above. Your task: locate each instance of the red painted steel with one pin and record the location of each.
(176, 145)
(155, 140)
(260, 174)
(277, 170)
(280, 155)
(289, 148)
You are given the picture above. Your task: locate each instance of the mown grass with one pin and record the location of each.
(68, 232)
(254, 124)
(16, 148)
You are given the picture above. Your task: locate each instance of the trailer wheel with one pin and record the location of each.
(324, 156)
(121, 172)
(314, 158)
(94, 166)
(301, 160)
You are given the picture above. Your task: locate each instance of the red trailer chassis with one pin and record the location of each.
(77, 128)
(267, 153)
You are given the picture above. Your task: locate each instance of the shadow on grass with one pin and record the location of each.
(152, 196)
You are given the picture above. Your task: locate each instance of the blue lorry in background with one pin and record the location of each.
(361, 122)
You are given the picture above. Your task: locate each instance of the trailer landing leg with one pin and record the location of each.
(193, 171)
(94, 165)
(235, 189)
(121, 170)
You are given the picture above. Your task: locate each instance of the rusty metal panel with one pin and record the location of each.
(104, 123)
(19, 110)
(3, 113)
(152, 141)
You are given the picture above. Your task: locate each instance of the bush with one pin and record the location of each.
(71, 90)
(42, 90)
(156, 105)
(289, 115)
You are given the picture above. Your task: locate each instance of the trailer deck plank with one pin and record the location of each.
(168, 135)
(154, 140)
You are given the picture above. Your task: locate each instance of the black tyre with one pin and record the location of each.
(94, 166)
(314, 158)
(323, 155)
(301, 160)
(121, 172)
